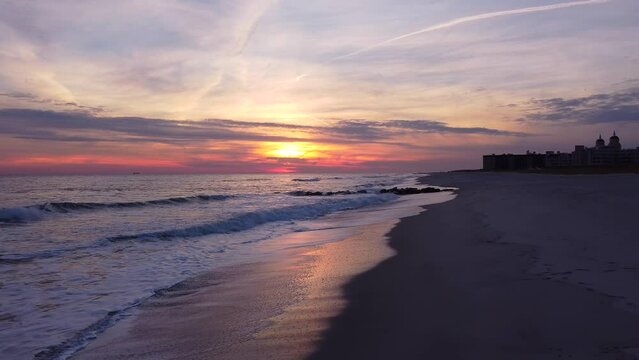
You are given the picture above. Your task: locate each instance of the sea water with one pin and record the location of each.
(76, 252)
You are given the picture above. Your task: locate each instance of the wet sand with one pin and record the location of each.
(273, 309)
(276, 308)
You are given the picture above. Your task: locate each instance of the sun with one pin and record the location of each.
(303, 150)
(288, 150)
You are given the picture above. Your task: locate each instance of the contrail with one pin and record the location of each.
(467, 19)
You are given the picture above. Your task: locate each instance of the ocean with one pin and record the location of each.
(77, 253)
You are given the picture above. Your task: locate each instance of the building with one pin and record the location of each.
(601, 154)
(558, 159)
(514, 161)
(605, 155)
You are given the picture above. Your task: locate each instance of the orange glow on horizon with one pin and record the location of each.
(282, 170)
(92, 160)
(226, 157)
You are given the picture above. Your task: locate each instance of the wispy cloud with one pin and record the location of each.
(37, 100)
(473, 18)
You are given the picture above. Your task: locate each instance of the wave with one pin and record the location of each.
(99, 190)
(20, 214)
(241, 222)
(81, 339)
(78, 341)
(37, 212)
(306, 179)
(45, 254)
(250, 220)
(12, 259)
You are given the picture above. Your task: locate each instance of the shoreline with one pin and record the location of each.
(482, 277)
(500, 272)
(104, 245)
(248, 310)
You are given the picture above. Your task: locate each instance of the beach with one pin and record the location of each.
(519, 266)
(80, 254)
(275, 309)
(276, 306)
(319, 180)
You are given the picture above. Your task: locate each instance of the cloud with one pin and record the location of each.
(359, 129)
(617, 107)
(255, 124)
(84, 126)
(467, 19)
(379, 129)
(81, 126)
(238, 59)
(431, 126)
(34, 99)
(169, 54)
(39, 141)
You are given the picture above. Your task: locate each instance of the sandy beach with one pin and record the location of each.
(319, 180)
(517, 266)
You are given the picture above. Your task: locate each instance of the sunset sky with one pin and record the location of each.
(221, 86)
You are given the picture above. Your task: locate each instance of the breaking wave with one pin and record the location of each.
(81, 339)
(240, 222)
(37, 212)
(250, 220)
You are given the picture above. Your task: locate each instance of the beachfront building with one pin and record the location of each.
(530, 160)
(602, 154)
(606, 155)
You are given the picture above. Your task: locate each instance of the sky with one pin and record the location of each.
(325, 86)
